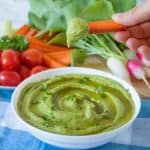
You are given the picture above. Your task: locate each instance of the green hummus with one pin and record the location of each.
(77, 29)
(75, 104)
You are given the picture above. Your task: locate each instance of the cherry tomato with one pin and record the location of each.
(24, 72)
(9, 78)
(10, 60)
(0, 59)
(37, 69)
(18, 54)
(32, 57)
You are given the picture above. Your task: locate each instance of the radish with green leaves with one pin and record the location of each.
(136, 69)
(143, 54)
(118, 68)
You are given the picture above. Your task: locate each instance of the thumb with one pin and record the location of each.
(134, 16)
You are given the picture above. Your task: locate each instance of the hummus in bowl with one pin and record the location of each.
(75, 107)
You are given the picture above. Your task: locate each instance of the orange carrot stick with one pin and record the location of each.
(63, 57)
(23, 30)
(105, 26)
(34, 43)
(45, 37)
(31, 32)
(50, 62)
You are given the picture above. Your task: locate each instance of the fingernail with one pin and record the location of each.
(117, 16)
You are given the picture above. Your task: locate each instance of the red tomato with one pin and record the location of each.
(0, 59)
(18, 54)
(24, 72)
(9, 78)
(10, 60)
(37, 69)
(32, 57)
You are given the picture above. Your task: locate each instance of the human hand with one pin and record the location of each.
(137, 20)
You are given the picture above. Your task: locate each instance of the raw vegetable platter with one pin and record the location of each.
(41, 43)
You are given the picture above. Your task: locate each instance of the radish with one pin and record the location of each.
(118, 68)
(136, 69)
(143, 54)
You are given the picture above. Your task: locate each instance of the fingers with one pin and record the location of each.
(122, 36)
(140, 31)
(135, 16)
(134, 44)
(135, 36)
(131, 42)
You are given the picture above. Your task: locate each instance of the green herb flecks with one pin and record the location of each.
(84, 79)
(71, 97)
(43, 87)
(101, 91)
(35, 101)
(78, 107)
(49, 93)
(78, 129)
(52, 107)
(106, 115)
(46, 124)
(44, 117)
(66, 126)
(44, 98)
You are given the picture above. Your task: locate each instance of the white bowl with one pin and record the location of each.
(7, 87)
(75, 142)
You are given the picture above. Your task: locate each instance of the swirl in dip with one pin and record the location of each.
(75, 104)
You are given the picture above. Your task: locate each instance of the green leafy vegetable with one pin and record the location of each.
(98, 10)
(59, 39)
(17, 42)
(36, 21)
(53, 15)
(122, 5)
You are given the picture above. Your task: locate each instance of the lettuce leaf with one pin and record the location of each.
(122, 5)
(98, 10)
(53, 15)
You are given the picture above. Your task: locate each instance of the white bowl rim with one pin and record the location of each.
(100, 73)
(7, 87)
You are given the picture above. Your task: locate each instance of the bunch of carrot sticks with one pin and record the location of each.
(54, 56)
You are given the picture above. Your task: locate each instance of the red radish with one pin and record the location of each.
(136, 69)
(143, 54)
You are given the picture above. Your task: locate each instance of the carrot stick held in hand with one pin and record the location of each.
(79, 28)
(105, 26)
